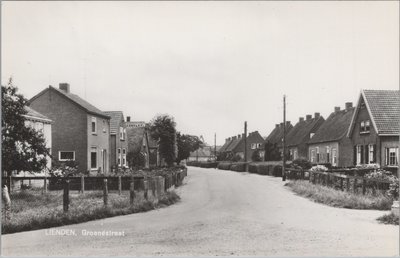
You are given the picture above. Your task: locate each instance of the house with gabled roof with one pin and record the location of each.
(141, 143)
(276, 136)
(205, 153)
(118, 141)
(375, 127)
(330, 143)
(300, 134)
(235, 145)
(80, 131)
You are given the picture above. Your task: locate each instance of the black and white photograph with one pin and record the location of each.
(200, 128)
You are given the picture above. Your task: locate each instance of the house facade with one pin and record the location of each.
(42, 124)
(203, 154)
(235, 145)
(139, 141)
(276, 136)
(118, 140)
(300, 134)
(80, 131)
(330, 143)
(375, 127)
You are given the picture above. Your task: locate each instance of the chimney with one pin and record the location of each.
(287, 123)
(234, 138)
(337, 109)
(349, 105)
(281, 124)
(243, 135)
(64, 87)
(316, 115)
(308, 117)
(128, 119)
(238, 136)
(276, 125)
(301, 119)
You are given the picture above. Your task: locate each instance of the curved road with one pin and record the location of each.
(224, 213)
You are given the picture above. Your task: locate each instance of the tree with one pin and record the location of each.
(272, 152)
(186, 145)
(136, 159)
(23, 148)
(162, 130)
(256, 156)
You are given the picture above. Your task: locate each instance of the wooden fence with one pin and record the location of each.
(340, 181)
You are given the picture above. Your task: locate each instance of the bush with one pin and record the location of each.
(277, 171)
(236, 158)
(224, 165)
(393, 191)
(301, 163)
(389, 219)
(319, 168)
(208, 164)
(238, 166)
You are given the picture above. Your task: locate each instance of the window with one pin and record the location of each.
(121, 133)
(365, 126)
(119, 157)
(295, 154)
(253, 146)
(311, 135)
(66, 155)
(358, 155)
(317, 154)
(328, 158)
(123, 157)
(291, 154)
(312, 156)
(93, 158)
(104, 126)
(391, 156)
(124, 133)
(371, 151)
(94, 125)
(334, 157)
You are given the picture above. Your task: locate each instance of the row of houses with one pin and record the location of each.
(75, 130)
(364, 134)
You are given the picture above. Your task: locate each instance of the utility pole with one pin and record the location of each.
(284, 140)
(245, 145)
(215, 146)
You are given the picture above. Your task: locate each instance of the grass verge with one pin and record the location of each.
(389, 219)
(335, 198)
(31, 210)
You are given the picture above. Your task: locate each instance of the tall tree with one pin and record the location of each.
(186, 145)
(23, 148)
(272, 152)
(162, 130)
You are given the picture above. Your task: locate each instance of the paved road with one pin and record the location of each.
(224, 213)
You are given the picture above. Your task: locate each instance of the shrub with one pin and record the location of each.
(256, 156)
(393, 191)
(277, 171)
(301, 163)
(238, 166)
(389, 219)
(236, 158)
(224, 165)
(319, 168)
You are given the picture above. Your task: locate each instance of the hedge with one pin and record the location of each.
(224, 165)
(238, 166)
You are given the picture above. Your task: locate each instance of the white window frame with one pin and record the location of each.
(253, 146)
(328, 154)
(121, 133)
(317, 156)
(59, 156)
(358, 154)
(294, 154)
(94, 150)
(94, 120)
(334, 157)
(393, 153)
(312, 154)
(123, 157)
(119, 157)
(370, 153)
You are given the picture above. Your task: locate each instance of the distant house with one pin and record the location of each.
(375, 128)
(235, 145)
(80, 131)
(330, 143)
(276, 136)
(205, 153)
(140, 142)
(118, 141)
(42, 124)
(300, 134)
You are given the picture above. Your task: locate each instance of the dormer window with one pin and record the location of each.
(311, 135)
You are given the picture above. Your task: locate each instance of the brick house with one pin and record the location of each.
(330, 143)
(40, 123)
(139, 141)
(80, 131)
(235, 145)
(118, 141)
(205, 153)
(375, 127)
(300, 134)
(276, 136)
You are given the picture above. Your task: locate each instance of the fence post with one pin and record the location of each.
(348, 184)
(145, 184)
(131, 190)
(105, 192)
(82, 184)
(363, 186)
(66, 195)
(120, 185)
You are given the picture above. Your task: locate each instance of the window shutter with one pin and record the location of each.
(374, 153)
(387, 156)
(366, 154)
(362, 154)
(355, 155)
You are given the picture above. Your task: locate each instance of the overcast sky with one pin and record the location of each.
(211, 65)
